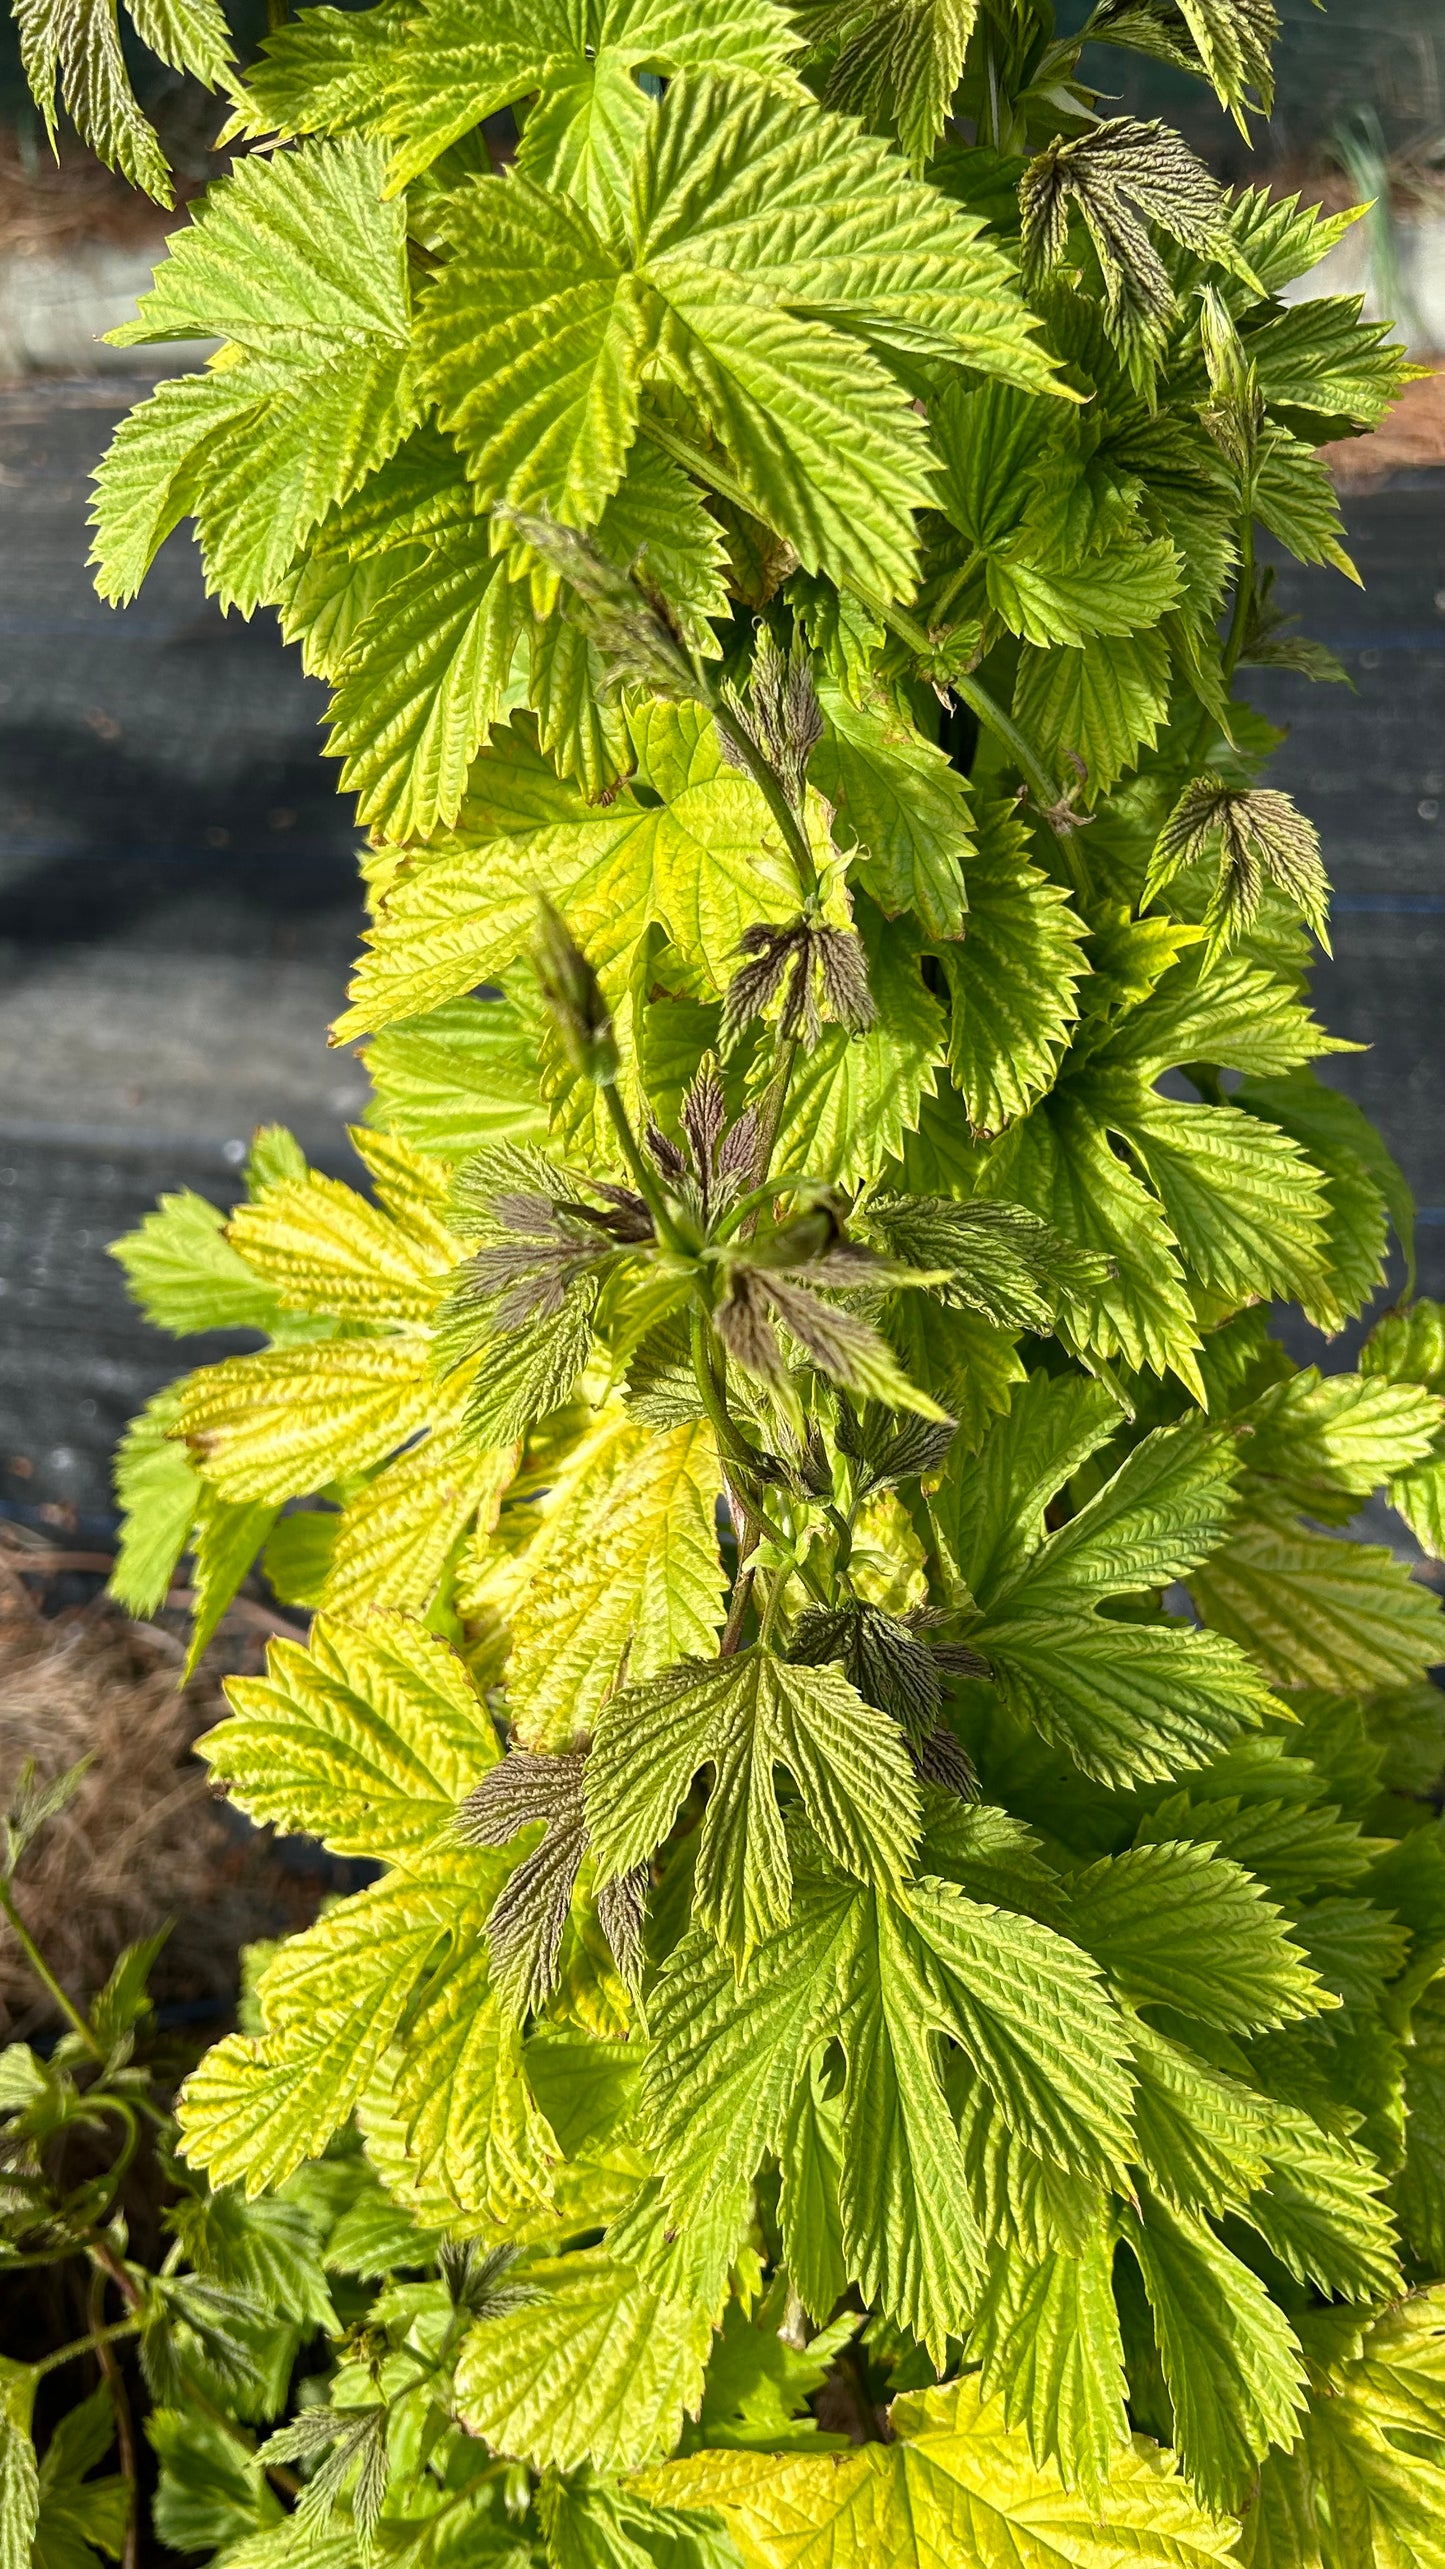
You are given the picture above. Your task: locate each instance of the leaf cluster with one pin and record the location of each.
(897, 2010)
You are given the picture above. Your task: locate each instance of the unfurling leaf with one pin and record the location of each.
(1255, 837)
(524, 1928)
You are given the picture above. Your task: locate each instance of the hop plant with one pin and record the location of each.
(898, 2012)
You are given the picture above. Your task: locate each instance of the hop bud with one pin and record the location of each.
(574, 995)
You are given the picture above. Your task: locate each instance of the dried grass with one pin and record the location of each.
(144, 1841)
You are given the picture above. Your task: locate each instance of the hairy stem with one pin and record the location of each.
(46, 1976)
(769, 785)
(643, 1177)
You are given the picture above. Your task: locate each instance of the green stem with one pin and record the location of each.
(770, 1610)
(733, 1445)
(1243, 594)
(794, 835)
(46, 1976)
(955, 582)
(643, 1177)
(90, 2344)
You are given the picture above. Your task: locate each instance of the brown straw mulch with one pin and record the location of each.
(145, 1841)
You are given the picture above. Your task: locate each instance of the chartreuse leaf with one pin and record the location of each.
(367, 1738)
(1047, 2333)
(609, 2356)
(884, 1977)
(631, 1572)
(741, 1718)
(452, 645)
(301, 269)
(332, 2001)
(268, 1427)
(323, 1248)
(699, 858)
(457, 1078)
(956, 2481)
(393, 1541)
(536, 337)
(1231, 2360)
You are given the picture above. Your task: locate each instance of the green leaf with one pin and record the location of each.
(901, 806)
(1295, 498)
(991, 1515)
(79, 2517)
(300, 268)
(853, 1098)
(449, 74)
(1130, 1703)
(1321, 357)
(1123, 178)
(1166, 1508)
(742, 1717)
(1026, 2008)
(1364, 1190)
(1231, 2360)
(1321, 2212)
(77, 43)
(210, 2492)
(899, 64)
(1244, 1204)
(366, 1738)
(157, 1487)
(538, 330)
(1047, 2333)
(186, 1276)
(19, 2478)
(1312, 1608)
(1013, 982)
(227, 1537)
(1060, 1162)
(1095, 707)
(1183, 1928)
(1257, 838)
